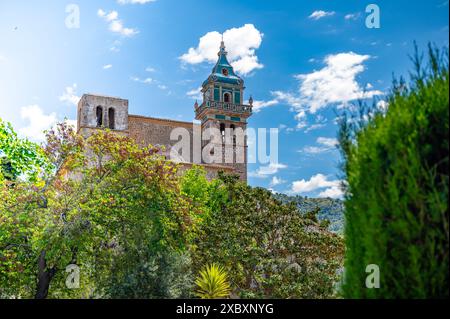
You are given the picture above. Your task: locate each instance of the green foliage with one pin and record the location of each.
(20, 223)
(109, 206)
(396, 167)
(212, 283)
(19, 157)
(206, 195)
(27, 221)
(268, 248)
(143, 274)
(330, 209)
(139, 229)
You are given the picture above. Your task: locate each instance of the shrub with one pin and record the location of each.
(212, 283)
(396, 167)
(19, 157)
(145, 275)
(268, 248)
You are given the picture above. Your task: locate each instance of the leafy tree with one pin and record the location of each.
(137, 228)
(105, 201)
(19, 224)
(268, 248)
(19, 157)
(396, 202)
(142, 273)
(205, 196)
(330, 209)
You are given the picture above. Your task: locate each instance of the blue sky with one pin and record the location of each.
(300, 61)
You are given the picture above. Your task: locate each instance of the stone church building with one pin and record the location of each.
(222, 109)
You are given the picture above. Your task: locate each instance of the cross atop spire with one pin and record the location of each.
(222, 48)
(223, 71)
(223, 96)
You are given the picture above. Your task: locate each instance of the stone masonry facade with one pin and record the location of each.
(221, 109)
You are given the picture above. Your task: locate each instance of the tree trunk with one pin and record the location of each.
(44, 277)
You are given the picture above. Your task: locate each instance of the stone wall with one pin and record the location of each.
(87, 111)
(155, 131)
(148, 130)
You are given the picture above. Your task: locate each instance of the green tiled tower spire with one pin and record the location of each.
(223, 91)
(223, 105)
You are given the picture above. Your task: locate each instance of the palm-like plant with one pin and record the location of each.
(212, 283)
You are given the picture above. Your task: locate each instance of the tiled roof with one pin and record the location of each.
(222, 63)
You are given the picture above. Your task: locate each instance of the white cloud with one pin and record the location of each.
(70, 95)
(150, 69)
(246, 64)
(289, 98)
(38, 122)
(150, 81)
(265, 171)
(316, 182)
(195, 94)
(332, 192)
(352, 16)
(107, 66)
(315, 149)
(319, 14)
(382, 105)
(144, 81)
(276, 181)
(335, 83)
(116, 25)
(279, 97)
(134, 1)
(241, 44)
(116, 46)
(327, 141)
(312, 127)
(111, 16)
(325, 144)
(259, 105)
(2, 58)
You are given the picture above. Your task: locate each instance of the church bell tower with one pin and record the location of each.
(223, 109)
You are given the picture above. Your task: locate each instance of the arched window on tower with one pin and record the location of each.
(222, 131)
(227, 97)
(111, 118)
(99, 114)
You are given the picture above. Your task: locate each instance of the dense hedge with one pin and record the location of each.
(396, 167)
